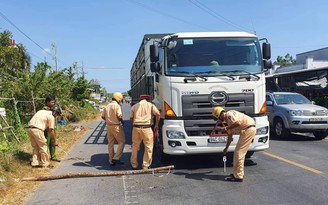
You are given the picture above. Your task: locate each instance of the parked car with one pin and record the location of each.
(292, 112)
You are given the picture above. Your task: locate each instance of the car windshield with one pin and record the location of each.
(291, 99)
(213, 56)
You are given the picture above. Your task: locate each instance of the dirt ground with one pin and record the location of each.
(14, 191)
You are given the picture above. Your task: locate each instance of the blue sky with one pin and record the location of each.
(104, 35)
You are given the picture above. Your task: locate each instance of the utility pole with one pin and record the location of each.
(54, 55)
(83, 69)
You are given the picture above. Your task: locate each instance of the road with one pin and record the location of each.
(292, 171)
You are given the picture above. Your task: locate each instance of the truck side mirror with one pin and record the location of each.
(154, 67)
(153, 53)
(267, 63)
(266, 49)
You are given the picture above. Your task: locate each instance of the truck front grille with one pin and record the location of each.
(197, 111)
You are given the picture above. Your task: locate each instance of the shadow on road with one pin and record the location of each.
(295, 137)
(189, 162)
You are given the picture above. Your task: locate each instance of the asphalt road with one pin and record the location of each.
(292, 171)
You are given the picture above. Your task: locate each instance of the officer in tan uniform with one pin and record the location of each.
(141, 114)
(238, 123)
(42, 120)
(112, 114)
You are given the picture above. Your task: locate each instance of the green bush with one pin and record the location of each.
(322, 101)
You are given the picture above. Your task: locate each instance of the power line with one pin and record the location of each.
(167, 15)
(4, 17)
(101, 68)
(38, 45)
(217, 16)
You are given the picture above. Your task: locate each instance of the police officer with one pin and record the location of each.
(141, 114)
(112, 114)
(42, 120)
(238, 123)
(49, 102)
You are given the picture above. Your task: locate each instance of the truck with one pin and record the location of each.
(189, 73)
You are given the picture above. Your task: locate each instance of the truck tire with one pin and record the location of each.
(279, 129)
(320, 135)
(162, 157)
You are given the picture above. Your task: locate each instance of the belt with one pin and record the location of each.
(249, 127)
(36, 128)
(142, 126)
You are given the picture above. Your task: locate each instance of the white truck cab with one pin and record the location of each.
(187, 74)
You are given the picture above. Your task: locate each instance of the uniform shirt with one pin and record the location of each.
(244, 120)
(42, 119)
(46, 108)
(141, 112)
(111, 113)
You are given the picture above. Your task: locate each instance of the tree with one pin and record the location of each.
(95, 85)
(12, 57)
(285, 61)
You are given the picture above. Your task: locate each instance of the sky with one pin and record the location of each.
(103, 36)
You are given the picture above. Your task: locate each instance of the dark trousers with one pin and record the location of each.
(51, 146)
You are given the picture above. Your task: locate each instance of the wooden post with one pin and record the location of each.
(97, 174)
(33, 102)
(9, 127)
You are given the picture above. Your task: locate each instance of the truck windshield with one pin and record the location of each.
(213, 56)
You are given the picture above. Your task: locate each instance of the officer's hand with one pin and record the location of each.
(155, 131)
(56, 144)
(225, 151)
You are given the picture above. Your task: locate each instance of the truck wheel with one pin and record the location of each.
(162, 157)
(320, 135)
(279, 129)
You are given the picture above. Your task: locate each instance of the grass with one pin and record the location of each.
(15, 165)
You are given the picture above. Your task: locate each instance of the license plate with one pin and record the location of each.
(222, 139)
(315, 119)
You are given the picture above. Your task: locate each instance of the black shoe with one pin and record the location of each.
(117, 162)
(44, 167)
(134, 168)
(56, 160)
(112, 164)
(249, 162)
(48, 167)
(231, 178)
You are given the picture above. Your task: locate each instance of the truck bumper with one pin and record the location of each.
(184, 145)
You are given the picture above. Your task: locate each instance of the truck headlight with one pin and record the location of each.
(295, 112)
(262, 130)
(175, 134)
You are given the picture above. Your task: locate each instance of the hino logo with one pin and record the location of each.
(218, 98)
(190, 92)
(247, 90)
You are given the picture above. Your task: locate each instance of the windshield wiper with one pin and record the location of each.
(217, 72)
(192, 76)
(243, 71)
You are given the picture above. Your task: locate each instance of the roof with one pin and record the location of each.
(200, 34)
(214, 34)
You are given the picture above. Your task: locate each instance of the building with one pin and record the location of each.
(308, 76)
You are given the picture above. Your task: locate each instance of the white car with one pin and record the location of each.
(292, 112)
